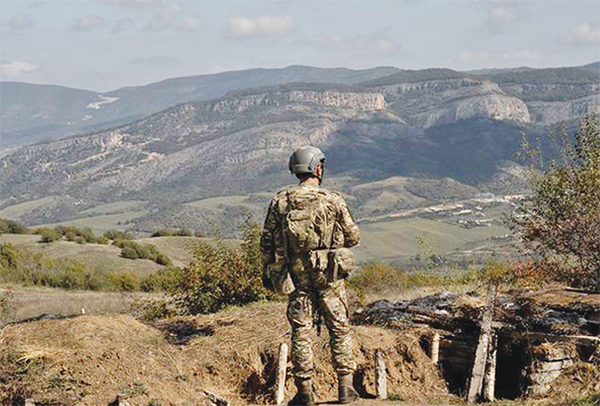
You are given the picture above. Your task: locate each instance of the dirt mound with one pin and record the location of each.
(88, 360)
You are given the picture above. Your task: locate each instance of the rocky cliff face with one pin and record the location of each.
(443, 101)
(365, 101)
(549, 113)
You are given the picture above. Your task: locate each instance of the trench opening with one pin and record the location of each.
(511, 366)
(457, 354)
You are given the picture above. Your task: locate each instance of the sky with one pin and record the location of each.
(103, 45)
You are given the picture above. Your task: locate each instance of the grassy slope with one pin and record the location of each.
(113, 208)
(15, 212)
(99, 257)
(102, 223)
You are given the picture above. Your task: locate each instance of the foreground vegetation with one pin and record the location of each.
(560, 223)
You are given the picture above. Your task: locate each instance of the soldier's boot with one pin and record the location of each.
(346, 391)
(305, 395)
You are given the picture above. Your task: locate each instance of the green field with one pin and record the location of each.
(113, 208)
(219, 203)
(15, 212)
(388, 240)
(102, 223)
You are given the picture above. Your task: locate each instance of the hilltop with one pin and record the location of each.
(394, 140)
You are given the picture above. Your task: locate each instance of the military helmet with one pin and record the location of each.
(306, 160)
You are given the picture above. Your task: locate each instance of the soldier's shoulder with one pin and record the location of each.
(332, 195)
(280, 195)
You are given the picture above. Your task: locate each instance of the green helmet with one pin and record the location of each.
(306, 160)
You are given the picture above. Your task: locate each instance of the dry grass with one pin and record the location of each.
(34, 301)
(90, 359)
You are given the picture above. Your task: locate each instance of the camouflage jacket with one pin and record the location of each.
(333, 225)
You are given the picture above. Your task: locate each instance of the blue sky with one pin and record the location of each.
(103, 45)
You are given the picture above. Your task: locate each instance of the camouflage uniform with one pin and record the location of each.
(335, 228)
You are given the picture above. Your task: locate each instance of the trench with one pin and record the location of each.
(522, 366)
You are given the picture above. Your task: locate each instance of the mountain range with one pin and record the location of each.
(394, 139)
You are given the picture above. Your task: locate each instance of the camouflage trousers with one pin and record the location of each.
(332, 304)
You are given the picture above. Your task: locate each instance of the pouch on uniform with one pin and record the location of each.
(280, 277)
(300, 230)
(319, 260)
(341, 263)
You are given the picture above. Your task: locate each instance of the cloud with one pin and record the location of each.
(122, 25)
(262, 26)
(189, 24)
(15, 69)
(585, 34)
(86, 23)
(165, 19)
(524, 55)
(132, 3)
(365, 45)
(501, 15)
(471, 57)
(20, 21)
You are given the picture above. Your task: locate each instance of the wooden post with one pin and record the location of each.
(435, 348)
(481, 354)
(380, 375)
(489, 383)
(281, 370)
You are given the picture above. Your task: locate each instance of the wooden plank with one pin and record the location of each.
(380, 375)
(435, 348)
(281, 371)
(481, 354)
(489, 382)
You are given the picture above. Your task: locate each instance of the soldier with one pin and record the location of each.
(304, 245)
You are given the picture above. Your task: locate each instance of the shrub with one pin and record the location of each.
(222, 276)
(149, 310)
(130, 253)
(118, 235)
(48, 235)
(102, 240)
(163, 232)
(80, 240)
(89, 236)
(134, 250)
(378, 277)
(165, 280)
(7, 308)
(123, 282)
(12, 227)
(9, 256)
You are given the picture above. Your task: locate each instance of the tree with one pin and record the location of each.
(560, 223)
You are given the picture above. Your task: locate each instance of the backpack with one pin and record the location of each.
(304, 218)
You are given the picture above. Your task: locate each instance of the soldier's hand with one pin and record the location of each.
(266, 281)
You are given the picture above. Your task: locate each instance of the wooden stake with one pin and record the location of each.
(435, 348)
(281, 370)
(489, 382)
(380, 375)
(481, 354)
